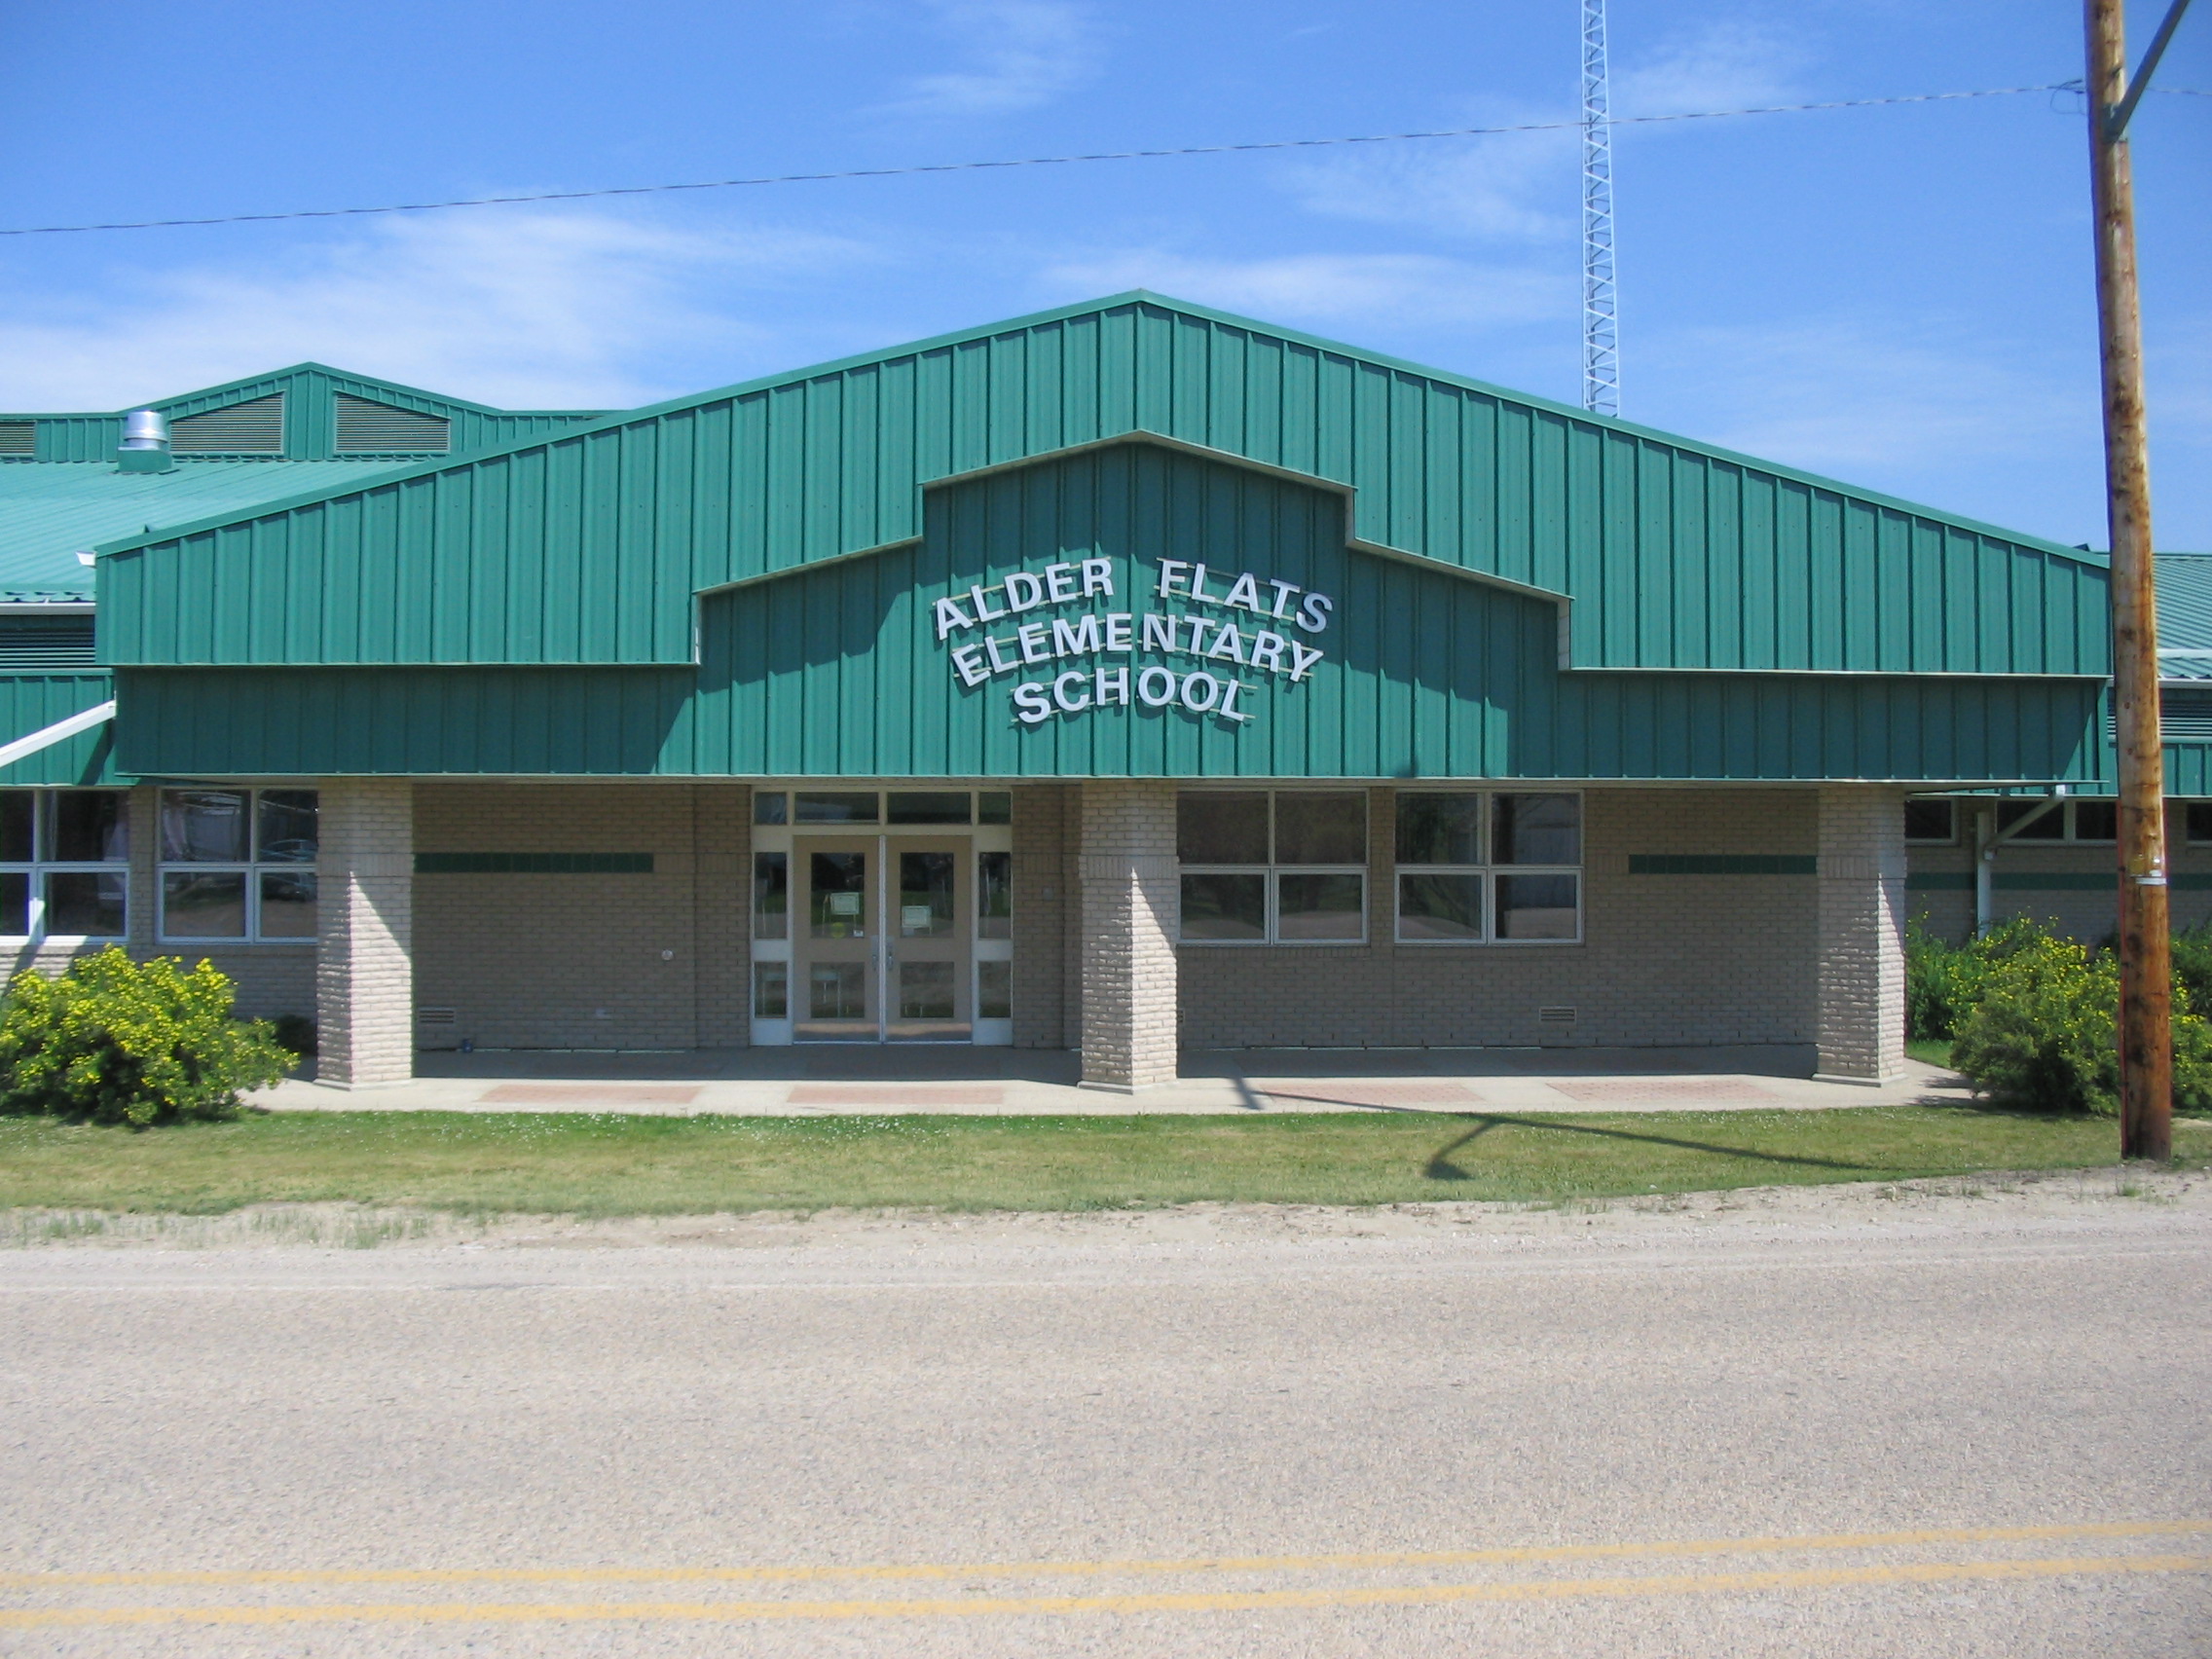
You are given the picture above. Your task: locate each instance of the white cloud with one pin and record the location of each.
(1342, 291)
(1019, 53)
(510, 306)
(1721, 66)
(1512, 187)
(1854, 398)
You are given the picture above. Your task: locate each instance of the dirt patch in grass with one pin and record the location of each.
(617, 1165)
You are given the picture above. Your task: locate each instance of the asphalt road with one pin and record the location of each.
(1827, 1423)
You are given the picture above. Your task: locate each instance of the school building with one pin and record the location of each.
(1121, 679)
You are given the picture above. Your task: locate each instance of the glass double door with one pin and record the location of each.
(884, 949)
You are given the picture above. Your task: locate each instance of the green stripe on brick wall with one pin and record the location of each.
(534, 864)
(2040, 881)
(1722, 864)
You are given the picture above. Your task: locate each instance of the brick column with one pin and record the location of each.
(1130, 902)
(721, 914)
(364, 970)
(1859, 1021)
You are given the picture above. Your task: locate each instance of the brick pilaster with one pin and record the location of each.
(364, 966)
(1130, 902)
(721, 915)
(1860, 1019)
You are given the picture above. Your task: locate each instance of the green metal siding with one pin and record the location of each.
(642, 721)
(30, 702)
(588, 547)
(835, 670)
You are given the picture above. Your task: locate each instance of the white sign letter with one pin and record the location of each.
(949, 616)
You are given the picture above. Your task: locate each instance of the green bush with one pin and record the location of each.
(120, 1042)
(2193, 964)
(2042, 1032)
(1944, 981)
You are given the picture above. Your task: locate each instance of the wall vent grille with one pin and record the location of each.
(378, 428)
(19, 437)
(1556, 1015)
(253, 428)
(437, 1017)
(2185, 715)
(31, 643)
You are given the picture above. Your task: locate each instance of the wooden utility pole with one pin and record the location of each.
(2145, 973)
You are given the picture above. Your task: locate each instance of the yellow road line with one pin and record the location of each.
(1200, 1602)
(1507, 1556)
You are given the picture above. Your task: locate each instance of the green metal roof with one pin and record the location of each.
(587, 545)
(2185, 615)
(51, 511)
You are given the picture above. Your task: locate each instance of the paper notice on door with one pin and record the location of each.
(844, 903)
(914, 918)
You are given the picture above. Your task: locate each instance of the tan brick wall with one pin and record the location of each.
(546, 961)
(364, 978)
(1130, 905)
(1666, 959)
(1861, 1008)
(722, 909)
(2083, 913)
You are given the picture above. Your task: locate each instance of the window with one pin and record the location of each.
(842, 807)
(2095, 820)
(2199, 814)
(771, 896)
(1495, 869)
(994, 895)
(994, 990)
(928, 806)
(1272, 867)
(2019, 821)
(1933, 823)
(238, 864)
(2068, 821)
(64, 863)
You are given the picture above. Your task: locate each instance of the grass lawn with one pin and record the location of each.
(605, 1165)
(1929, 1050)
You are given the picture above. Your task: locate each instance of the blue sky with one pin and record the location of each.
(1898, 297)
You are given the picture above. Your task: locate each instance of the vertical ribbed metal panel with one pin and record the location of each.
(642, 721)
(29, 702)
(1675, 558)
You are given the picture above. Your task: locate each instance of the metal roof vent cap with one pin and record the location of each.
(145, 442)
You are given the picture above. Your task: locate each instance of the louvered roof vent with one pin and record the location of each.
(253, 428)
(365, 427)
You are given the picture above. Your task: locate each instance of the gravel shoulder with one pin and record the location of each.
(2044, 1201)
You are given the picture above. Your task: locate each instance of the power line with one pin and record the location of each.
(1020, 162)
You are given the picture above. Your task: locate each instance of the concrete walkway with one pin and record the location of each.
(841, 1081)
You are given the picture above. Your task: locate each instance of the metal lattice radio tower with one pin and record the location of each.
(1601, 327)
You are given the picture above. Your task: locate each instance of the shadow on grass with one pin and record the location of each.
(1441, 1168)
